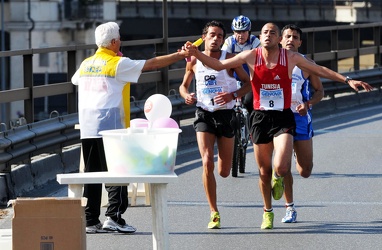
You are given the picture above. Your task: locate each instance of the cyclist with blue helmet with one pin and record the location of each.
(241, 40)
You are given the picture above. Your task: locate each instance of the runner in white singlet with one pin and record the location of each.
(216, 92)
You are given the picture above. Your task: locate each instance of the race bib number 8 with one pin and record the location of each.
(271, 99)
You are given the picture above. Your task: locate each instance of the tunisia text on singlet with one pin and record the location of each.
(271, 87)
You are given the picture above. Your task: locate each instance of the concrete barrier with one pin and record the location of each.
(26, 177)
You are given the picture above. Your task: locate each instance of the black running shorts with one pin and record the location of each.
(266, 124)
(219, 123)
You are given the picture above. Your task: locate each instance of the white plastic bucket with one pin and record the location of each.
(141, 151)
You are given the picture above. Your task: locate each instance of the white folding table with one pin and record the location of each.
(158, 195)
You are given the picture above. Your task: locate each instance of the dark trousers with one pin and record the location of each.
(95, 161)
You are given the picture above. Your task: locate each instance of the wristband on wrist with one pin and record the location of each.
(309, 105)
(347, 79)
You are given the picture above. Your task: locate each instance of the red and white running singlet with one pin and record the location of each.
(271, 87)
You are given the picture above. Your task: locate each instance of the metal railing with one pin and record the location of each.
(20, 144)
(28, 138)
(255, 9)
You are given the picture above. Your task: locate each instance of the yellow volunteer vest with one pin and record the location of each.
(108, 70)
(126, 103)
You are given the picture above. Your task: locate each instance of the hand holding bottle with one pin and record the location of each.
(197, 43)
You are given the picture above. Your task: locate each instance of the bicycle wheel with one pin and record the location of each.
(244, 145)
(236, 151)
(242, 159)
(235, 158)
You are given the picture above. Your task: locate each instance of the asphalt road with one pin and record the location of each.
(339, 206)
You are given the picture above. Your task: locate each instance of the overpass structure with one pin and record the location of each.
(24, 138)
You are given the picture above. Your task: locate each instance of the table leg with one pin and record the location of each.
(75, 190)
(158, 198)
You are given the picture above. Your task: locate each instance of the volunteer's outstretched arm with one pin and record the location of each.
(216, 64)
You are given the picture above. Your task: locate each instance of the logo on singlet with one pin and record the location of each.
(209, 80)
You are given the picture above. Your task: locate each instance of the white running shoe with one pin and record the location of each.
(111, 225)
(290, 216)
(95, 229)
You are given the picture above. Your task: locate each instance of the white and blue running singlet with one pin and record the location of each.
(301, 94)
(210, 82)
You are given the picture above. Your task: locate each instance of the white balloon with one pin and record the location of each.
(157, 106)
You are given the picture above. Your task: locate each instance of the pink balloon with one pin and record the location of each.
(165, 123)
(139, 123)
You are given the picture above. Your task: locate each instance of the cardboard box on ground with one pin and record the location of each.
(49, 223)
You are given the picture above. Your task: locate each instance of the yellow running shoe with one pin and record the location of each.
(267, 220)
(277, 186)
(215, 221)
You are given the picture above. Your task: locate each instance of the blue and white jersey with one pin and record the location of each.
(210, 82)
(301, 94)
(300, 88)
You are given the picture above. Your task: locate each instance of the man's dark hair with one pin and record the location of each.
(292, 27)
(214, 24)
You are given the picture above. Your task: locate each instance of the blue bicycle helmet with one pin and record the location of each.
(241, 23)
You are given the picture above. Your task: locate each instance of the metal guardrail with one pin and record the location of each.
(371, 76)
(20, 144)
